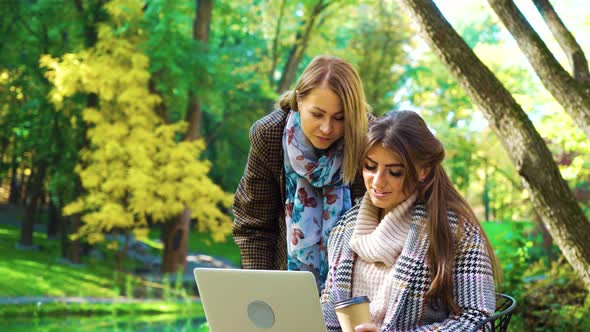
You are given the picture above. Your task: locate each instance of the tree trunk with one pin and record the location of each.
(566, 40)
(31, 205)
(75, 246)
(176, 233)
(64, 231)
(54, 216)
(564, 88)
(299, 47)
(200, 34)
(275, 44)
(24, 183)
(14, 184)
(549, 193)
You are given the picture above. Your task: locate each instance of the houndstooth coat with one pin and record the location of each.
(473, 279)
(259, 205)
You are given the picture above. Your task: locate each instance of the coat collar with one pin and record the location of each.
(414, 247)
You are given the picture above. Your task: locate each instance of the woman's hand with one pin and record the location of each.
(366, 327)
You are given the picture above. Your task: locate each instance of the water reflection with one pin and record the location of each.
(157, 323)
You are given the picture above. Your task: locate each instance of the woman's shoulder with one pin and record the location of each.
(348, 219)
(350, 215)
(272, 123)
(344, 226)
(266, 133)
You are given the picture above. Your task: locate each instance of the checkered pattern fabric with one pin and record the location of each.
(259, 203)
(408, 307)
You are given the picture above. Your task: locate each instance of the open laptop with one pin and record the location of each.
(259, 300)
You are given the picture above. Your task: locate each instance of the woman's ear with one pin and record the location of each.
(423, 174)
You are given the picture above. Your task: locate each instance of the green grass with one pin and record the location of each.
(39, 272)
(201, 243)
(55, 309)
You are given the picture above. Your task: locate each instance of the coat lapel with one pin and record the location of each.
(404, 276)
(343, 278)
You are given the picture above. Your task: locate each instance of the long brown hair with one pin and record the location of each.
(340, 77)
(406, 134)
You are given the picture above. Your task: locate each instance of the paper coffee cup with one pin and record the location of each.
(352, 312)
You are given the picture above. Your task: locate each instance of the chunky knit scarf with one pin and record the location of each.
(377, 240)
(378, 244)
(316, 197)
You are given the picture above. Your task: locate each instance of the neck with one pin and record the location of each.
(384, 211)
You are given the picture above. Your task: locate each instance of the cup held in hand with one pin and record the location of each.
(352, 312)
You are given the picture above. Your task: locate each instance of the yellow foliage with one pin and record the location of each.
(133, 166)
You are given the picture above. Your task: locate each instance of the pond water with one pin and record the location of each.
(154, 323)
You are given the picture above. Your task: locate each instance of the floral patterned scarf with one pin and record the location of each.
(316, 197)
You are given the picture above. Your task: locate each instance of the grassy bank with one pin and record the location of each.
(41, 273)
(57, 309)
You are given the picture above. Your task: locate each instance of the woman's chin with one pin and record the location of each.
(322, 145)
(379, 203)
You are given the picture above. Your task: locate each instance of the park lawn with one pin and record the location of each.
(39, 272)
(57, 309)
(201, 243)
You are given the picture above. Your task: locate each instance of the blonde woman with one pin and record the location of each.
(412, 244)
(302, 172)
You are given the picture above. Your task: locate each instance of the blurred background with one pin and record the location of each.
(124, 133)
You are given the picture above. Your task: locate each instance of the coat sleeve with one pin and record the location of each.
(473, 281)
(257, 206)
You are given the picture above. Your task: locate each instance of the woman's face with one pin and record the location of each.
(322, 117)
(384, 174)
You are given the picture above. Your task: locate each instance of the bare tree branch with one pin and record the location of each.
(566, 40)
(299, 47)
(564, 88)
(275, 42)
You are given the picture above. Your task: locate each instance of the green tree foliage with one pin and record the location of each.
(134, 170)
(379, 44)
(38, 144)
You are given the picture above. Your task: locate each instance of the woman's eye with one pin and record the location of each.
(396, 174)
(317, 115)
(370, 167)
(339, 118)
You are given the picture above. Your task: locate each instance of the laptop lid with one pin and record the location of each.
(260, 300)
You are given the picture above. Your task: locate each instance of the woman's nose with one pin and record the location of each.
(326, 127)
(378, 180)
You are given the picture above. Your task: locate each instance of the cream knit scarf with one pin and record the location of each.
(375, 240)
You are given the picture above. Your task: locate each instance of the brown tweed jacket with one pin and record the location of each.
(259, 212)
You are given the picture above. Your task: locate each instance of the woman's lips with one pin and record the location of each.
(379, 194)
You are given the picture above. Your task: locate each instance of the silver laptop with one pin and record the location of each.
(259, 300)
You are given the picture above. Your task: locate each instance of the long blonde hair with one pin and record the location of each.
(340, 77)
(406, 134)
